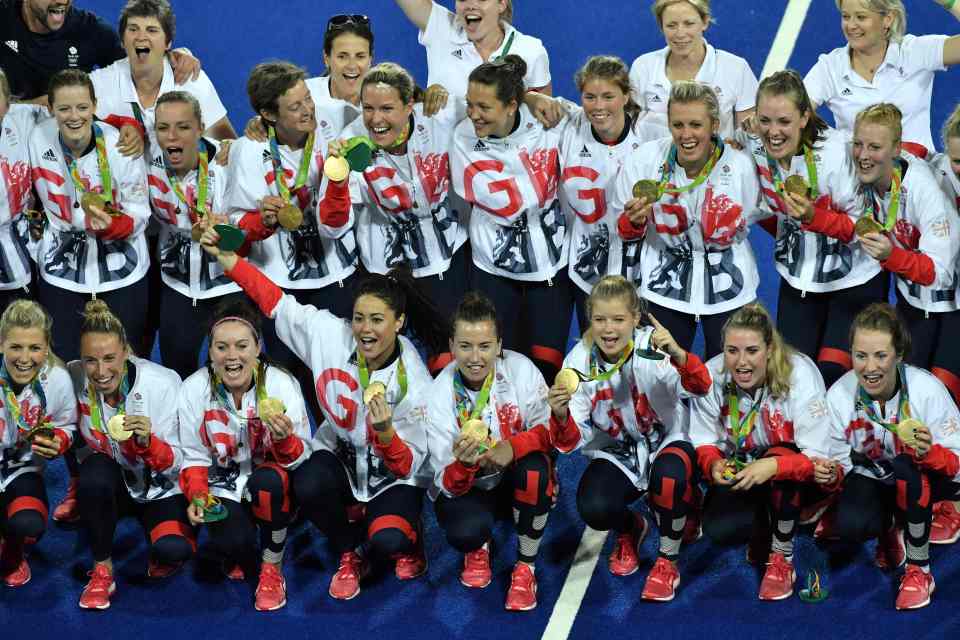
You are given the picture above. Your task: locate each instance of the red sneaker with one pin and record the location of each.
(233, 572)
(945, 528)
(522, 595)
(662, 581)
(778, 579)
(159, 570)
(891, 552)
(624, 559)
(18, 575)
(411, 565)
(916, 587)
(476, 572)
(96, 595)
(271, 590)
(67, 510)
(345, 583)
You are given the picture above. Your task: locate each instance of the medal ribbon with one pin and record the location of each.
(811, 173)
(259, 383)
(462, 398)
(198, 210)
(96, 409)
(401, 373)
(106, 180)
(669, 167)
(872, 206)
(596, 374)
(741, 428)
(865, 404)
(12, 405)
(302, 171)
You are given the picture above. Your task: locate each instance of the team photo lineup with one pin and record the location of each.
(357, 307)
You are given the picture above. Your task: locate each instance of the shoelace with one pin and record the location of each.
(662, 572)
(349, 564)
(946, 510)
(914, 580)
(780, 568)
(99, 581)
(520, 579)
(624, 545)
(270, 580)
(478, 557)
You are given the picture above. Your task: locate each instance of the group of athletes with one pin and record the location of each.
(324, 257)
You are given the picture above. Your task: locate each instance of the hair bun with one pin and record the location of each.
(515, 65)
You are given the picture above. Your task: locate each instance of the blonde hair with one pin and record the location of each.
(754, 317)
(688, 91)
(893, 8)
(393, 75)
(27, 314)
(507, 15)
(951, 128)
(702, 7)
(613, 70)
(612, 287)
(885, 114)
(4, 87)
(98, 318)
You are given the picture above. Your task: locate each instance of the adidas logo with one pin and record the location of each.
(458, 54)
(266, 156)
(479, 146)
(655, 98)
(50, 155)
(13, 45)
(157, 162)
(846, 92)
(585, 153)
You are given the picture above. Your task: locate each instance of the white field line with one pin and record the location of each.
(575, 586)
(786, 37)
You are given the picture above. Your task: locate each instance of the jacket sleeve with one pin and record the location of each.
(535, 414)
(196, 457)
(406, 453)
(334, 209)
(294, 449)
(131, 196)
(708, 431)
(933, 263)
(163, 453)
(451, 476)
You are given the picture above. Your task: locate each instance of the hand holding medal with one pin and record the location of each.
(796, 198)
(915, 435)
(206, 509)
(640, 208)
(45, 443)
(375, 398)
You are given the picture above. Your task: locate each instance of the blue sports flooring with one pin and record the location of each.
(717, 598)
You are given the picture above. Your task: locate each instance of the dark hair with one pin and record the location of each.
(613, 70)
(359, 29)
(5, 86)
(505, 75)
(184, 97)
(69, 78)
(882, 316)
(98, 318)
(789, 83)
(235, 308)
(476, 307)
(159, 9)
(400, 291)
(270, 80)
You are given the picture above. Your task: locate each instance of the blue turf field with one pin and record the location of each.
(718, 594)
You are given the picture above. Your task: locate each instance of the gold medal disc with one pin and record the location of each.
(796, 185)
(569, 380)
(476, 429)
(729, 470)
(116, 430)
(290, 217)
(907, 431)
(270, 407)
(336, 168)
(373, 390)
(866, 225)
(648, 190)
(91, 200)
(196, 232)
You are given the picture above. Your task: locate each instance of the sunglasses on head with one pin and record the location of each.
(343, 19)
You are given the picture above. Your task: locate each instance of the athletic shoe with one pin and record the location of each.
(945, 528)
(891, 552)
(624, 559)
(778, 579)
(345, 584)
(233, 571)
(522, 595)
(18, 575)
(916, 587)
(271, 590)
(159, 570)
(662, 581)
(476, 572)
(411, 565)
(68, 509)
(96, 595)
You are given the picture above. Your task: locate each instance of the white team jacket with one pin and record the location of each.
(222, 445)
(16, 195)
(696, 258)
(517, 228)
(70, 256)
(184, 266)
(404, 208)
(150, 473)
(59, 407)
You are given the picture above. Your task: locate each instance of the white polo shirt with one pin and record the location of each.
(451, 56)
(728, 75)
(333, 114)
(905, 78)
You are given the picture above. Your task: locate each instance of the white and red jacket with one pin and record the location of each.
(925, 238)
(327, 345)
(405, 212)
(184, 266)
(868, 449)
(587, 178)
(629, 418)
(807, 260)
(150, 472)
(222, 445)
(697, 258)
(333, 114)
(517, 228)
(800, 418)
(517, 411)
(71, 255)
(16, 194)
(949, 181)
(323, 249)
(59, 408)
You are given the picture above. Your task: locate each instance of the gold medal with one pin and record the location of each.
(373, 390)
(729, 470)
(476, 429)
(568, 379)
(336, 168)
(907, 431)
(648, 190)
(196, 232)
(867, 225)
(91, 200)
(290, 217)
(796, 185)
(116, 430)
(271, 407)
(44, 430)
